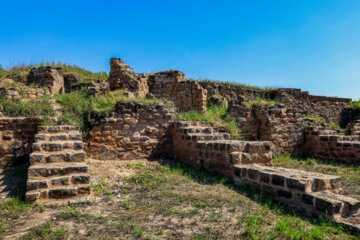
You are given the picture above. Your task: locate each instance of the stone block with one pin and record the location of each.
(64, 192)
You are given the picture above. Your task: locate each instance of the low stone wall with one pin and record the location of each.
(312, 193)
(133, 131)
(327, 107)
(198, 144)
(16, 139)
(276, 123)
(323, 143)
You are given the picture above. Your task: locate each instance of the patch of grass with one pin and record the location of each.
(350, 173)
(322, 120)
(260, 102)
(72, 213)
(101, 187)
(242, 85)
(46, 232)
(14, 205)
(354, 104)
(217, 116)
(26, 108)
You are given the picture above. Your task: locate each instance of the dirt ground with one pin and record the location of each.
(158, 199)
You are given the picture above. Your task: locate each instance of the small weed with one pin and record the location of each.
(260, 102)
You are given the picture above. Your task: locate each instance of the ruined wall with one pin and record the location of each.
(314, 194)
(327, 107)
(16, 139)
(133, 131)
(50, 77)
(197, 143)
(324, 143)
(349, 115)
(276, 123)
(171, 85)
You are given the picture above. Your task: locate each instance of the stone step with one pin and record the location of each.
(285, 179)
(56, 146)
(339, 138)
(336, 205)
(41, 171)
(181, 124)
(236, 146)
(34, 184)
(206, 130)
(58, 129)
(57, 157)
(206, 137)
(58, 192)
(58, 137)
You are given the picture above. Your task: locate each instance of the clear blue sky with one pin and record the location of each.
(308, 44)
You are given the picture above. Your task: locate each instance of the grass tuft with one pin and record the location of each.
(260, 102)
(242, 85)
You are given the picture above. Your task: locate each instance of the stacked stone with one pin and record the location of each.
(197, 143)
(353, 128)
(122, 76)
(16, 139)
(133, 131)
(323, 143)
(57, 165)
(49, 77)
(172, 85)
(312, 193)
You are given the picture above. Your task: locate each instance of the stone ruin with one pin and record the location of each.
(58, 170)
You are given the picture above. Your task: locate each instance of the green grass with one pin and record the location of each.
(20, 71)
(322, 120)
(46, 232)
(260, 102)
(242, 85)
(217, 116)
(354, 104)
(14, 205)
(350, 173)
(26, 108)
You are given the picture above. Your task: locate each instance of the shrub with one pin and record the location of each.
(26, 108)
(354, 104)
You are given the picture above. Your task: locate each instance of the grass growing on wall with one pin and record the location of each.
(242, 85)
(26, 108)
(216, 116)
(322, 120)
(260, 102)
(354, 104)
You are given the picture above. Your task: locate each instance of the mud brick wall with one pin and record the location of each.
(16, 139)
(198, 144)
(133, 131)
(329, 108)
(311, 193)
(323, 143)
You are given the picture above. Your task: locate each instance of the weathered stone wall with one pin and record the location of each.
(327, 107)
(50, 77)
(324, 143)
(198, 144)
(312, 193)
(133, 131)
(349, 115)
(275, 123)
(16, 139)
(171, 85)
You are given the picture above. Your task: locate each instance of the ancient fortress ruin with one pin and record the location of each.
(57, 154)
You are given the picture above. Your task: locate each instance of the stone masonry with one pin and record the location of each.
(57, 165)
(133, 131)
(197, 143)
(49, 77)
(16, 139)
(313, 194)
(324, 143)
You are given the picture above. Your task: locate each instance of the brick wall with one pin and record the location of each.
(133, 131)
(324, 143)
(16, 138)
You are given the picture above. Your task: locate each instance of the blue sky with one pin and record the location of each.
(308, 44)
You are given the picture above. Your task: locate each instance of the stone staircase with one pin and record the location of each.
(197, 143)
(57, 165)
(311, 193)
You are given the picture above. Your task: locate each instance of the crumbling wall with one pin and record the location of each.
(186, 95)
(50, 77)
(329, 108)
(324, 143)
(16, 139)
(197, 143)
(133, 131)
